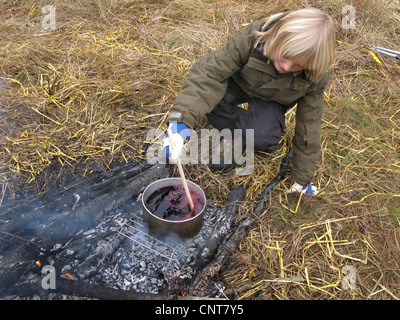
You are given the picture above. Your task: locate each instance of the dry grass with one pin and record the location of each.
(88, 92)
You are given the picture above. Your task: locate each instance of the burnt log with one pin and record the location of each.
(85, 290)
(90, 189)
(44, 229)
(57, 198)
(46, 226)
(222, 227)
(89, 213)
(200, 281)
(35, 214)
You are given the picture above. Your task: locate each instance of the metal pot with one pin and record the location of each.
(184, 228)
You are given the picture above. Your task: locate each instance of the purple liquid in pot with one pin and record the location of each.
(171, 203)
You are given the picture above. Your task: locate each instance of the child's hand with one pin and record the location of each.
(305, 189)
(180, 133)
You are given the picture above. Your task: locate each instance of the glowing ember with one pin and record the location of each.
(69, 276)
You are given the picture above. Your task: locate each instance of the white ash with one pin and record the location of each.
(144, 263)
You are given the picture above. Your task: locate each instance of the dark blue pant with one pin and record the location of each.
(267, 118)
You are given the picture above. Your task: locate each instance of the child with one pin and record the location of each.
(271, 65)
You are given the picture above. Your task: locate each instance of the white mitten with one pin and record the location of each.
(174, 143)
(305, 189)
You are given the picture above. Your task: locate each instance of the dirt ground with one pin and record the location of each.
(82, 82)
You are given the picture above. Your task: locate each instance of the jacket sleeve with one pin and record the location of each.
(307, 138)
(207, 80)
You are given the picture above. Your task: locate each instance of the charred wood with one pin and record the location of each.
(89, 213)
(85, 290)
(222, 228)
(45, 229)
(92, 188)
(42, 223)
(64, 195)
(201, 279)
(89, 265)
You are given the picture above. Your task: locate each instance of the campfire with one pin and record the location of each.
(90, 241)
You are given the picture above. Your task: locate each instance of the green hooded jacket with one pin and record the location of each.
(207, 81)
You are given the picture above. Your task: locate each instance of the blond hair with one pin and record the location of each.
(306, 36)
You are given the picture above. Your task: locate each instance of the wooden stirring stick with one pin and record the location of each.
(189, 196)
(182, 174)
